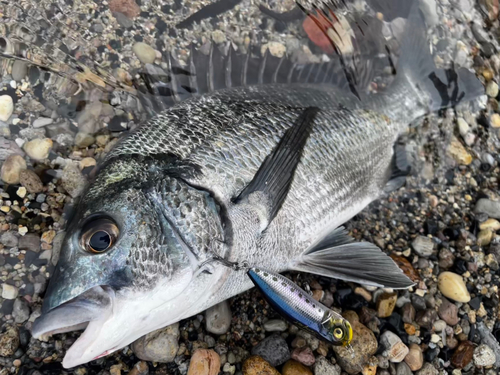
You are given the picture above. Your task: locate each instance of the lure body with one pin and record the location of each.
(298, 306)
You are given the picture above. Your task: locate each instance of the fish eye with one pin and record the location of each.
(338, 333)
(99, 235)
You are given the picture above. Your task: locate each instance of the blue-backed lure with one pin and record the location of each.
(298, 306)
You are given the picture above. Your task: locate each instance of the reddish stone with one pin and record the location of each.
(463, 354)
(127, 7)
(406, 267)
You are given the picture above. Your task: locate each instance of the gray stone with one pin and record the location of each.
(8, 148)
(9, 239)
(87, 119)
(427, 369)
(30, 241)
(487, 338)
(56, 247)
(218, 318)
(484, 356)
(123, 20)
(19, 70)
(73, 180)
(403, 369)
(21, 310)
(275, 325)
(273, 349)
(158, 346)
(323, 366)
(423, 246)
(489, 207)
(42, 121)
(145, 53)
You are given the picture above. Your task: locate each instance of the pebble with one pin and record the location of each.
(463, 354)
(275, 325)
(9, 342)
(140, 368)
(275, 48)
(488, 207)
(145, 53)
(490, 224)
(19, 70)
(395, 349)
(72, 180)
(42, 121)
(439, 325)
(414, 359)
(458, 152)
(30, 241)
(158, 346)
(84, 140)
(484, 356)
(423, 246)
(428, 369)
(87, 162)
(9, 239)
(292, 367)
(274, 349)
(484, 237)
(9, 291)
(386, 304)
(127, 7)
(492, 89)
(11, 169)
(256, 365)
(218, 318)
(453, 287)
(6, 107)
(495, 120)
(364, 345)
(8, 148)
(323, 366)
(30, 180)
(21, 310)
(204, 362)
(304, 356)
(403, 369)
(463, 127)
(218, 36)
(38, 149)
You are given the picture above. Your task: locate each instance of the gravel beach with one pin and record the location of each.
(442, 228)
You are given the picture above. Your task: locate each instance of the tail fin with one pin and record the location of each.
(434, 88)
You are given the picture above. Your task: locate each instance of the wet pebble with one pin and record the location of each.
(463, 354)
(158, 346)
(414, 359)
(423, 246)
(11, 169)
(9, 341)
(484, 356)
(218, 318)
(275, 325)
(38, 149)
(292, 367)
(30, 180)
(204, 362)
(9, 291)
(21, 310)
(72, 180)
(453, 287)
(145, 53)
(395, 349)
(304, 356)
(323, 366)
(256, 365)
(6, 107)
(274, 349)
(488, 207)
(448, 311)
(385, 304)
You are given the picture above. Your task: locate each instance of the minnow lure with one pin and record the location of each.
(298, 306)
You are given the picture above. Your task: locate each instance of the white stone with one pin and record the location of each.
(9, 291)
(6, 107)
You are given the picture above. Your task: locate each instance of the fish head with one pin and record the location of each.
(124, 267)
(339, 329)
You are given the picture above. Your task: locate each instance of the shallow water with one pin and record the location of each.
(82, 74)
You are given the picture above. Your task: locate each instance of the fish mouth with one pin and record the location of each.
(88, 311)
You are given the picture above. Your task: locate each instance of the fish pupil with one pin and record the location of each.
(100, 241)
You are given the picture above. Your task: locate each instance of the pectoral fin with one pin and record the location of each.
(338, 256)
(273, 179)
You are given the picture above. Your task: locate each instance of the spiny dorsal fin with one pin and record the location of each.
(274, 177)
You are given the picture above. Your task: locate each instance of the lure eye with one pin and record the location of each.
(99, 235)
(338, 333)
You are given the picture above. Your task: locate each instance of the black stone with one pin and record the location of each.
(460, 266)
(7, 306)
(193, 336)
(431, 354)
(475, 303)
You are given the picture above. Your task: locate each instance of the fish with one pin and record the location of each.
(297, 306)
(263, 170)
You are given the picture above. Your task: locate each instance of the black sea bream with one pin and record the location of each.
(262, 173)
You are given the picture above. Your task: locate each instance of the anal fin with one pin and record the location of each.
(273, 179)
(339, 257)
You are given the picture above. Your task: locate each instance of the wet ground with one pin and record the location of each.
(441, 227)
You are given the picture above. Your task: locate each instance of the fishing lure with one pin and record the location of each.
(296, 305)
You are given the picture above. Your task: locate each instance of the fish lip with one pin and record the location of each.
(77, 313)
